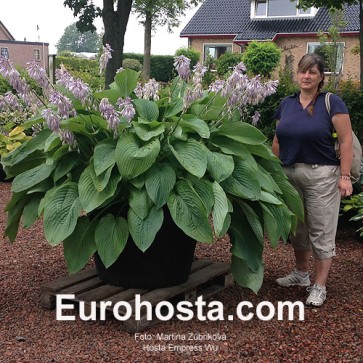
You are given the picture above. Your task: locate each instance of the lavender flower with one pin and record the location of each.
(38, 74)
(67, 137)
(217, 85)
(105, 57)
(78, 88)
(52, 119)
(198, 73)
(255, 118)
(182, 65)
(127, 109)
(139, 91)
(11, 101)
(151, 90)
(110, 114)
(8, 71)
(64, 104)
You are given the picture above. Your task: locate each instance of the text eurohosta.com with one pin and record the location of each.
(183, 310)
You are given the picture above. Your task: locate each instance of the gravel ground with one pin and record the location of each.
(29, 333)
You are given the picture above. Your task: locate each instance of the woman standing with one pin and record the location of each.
(305, 146)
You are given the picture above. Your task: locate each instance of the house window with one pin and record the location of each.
(5, 52)
(36, 54)
(216, 50)
(332, 54)
(278, 8)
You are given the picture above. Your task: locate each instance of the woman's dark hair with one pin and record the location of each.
(308, 61)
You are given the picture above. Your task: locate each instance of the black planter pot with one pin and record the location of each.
(166, 262)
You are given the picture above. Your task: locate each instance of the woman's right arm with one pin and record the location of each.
(276, 147)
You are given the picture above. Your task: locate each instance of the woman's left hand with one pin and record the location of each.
(345, 187)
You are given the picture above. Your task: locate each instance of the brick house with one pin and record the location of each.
(22, 52)
(229, 25)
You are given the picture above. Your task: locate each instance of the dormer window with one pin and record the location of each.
(278, 9)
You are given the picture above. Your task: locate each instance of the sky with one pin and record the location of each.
(22, 17)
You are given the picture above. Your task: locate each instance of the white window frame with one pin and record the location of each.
(339, 67)
(299, 12)
(36, 54)
(5, 52)
(216, 45)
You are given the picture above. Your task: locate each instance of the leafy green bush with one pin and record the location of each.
(133, 64)
(262, 58)
(85, 69)
(226, 62)
(190, 53)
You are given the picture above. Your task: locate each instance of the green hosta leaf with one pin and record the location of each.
(140, 202)
(262, 150)
(111, 238)
(277, 222)
(219, 166)
(31, 177)
(245, 244)
(15, 209)
(188, 212)
(291, 198)
(80, 246)
(242, 132)
(267, 182)
(134, 157)
(126, 81)
(100, 181)
(243, 182)
(244, 276)
(269, 198)
(207, 113)
(146, 130)
(220, 209)
(104, 156)
(204, 189)
(52, 141)
(143, 231)
(160, 180)
(111, 94)
(192, 123)
(253, 219)
(61, 213)
(146, 109)
(174, 108)
(89, 196)
(232, 147)
(30, 212)
(65, 165)
(192, 155)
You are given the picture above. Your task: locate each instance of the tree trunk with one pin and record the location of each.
(147, 47)
(115, 23)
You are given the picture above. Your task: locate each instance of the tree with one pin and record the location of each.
(114, 21)
(155, 13)
(75, 41)
(261, 58)
(338, 4)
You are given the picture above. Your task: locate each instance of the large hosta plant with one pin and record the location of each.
(104, 166)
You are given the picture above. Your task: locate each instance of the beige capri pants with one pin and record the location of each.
(318, 188)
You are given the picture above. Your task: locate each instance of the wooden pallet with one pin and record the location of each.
(206, 279)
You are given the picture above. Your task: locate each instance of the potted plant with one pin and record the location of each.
(109, 169)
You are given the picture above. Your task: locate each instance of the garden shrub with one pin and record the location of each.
(226, 62)
(133, 64)
(262, 58)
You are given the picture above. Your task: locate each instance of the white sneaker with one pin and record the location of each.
(294, 279)
(317, 295)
